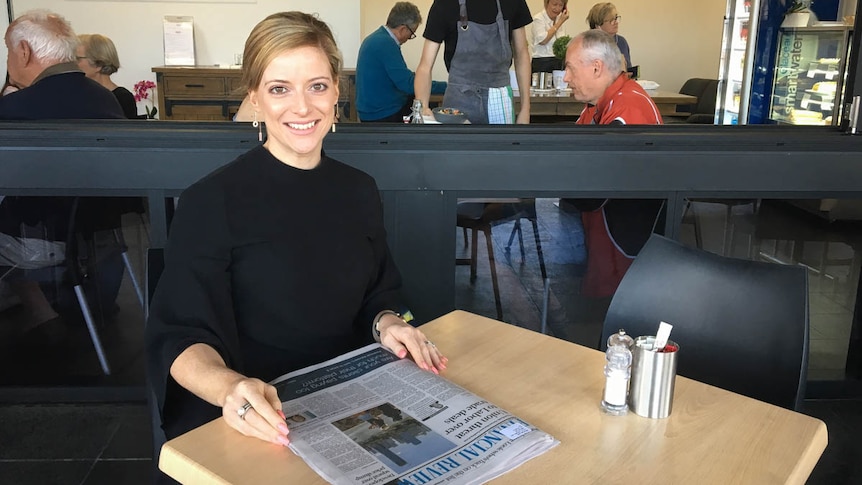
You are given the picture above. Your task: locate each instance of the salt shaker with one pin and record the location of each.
(617, 374)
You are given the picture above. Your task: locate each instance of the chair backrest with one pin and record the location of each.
(741, 325)
(706, 91)
(155, 265)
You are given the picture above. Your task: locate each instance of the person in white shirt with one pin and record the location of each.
(546, 28)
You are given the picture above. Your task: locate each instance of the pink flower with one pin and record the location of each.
(142, 89)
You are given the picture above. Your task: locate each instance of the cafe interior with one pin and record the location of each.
(484, 219)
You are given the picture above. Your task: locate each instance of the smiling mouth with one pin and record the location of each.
(303, 126)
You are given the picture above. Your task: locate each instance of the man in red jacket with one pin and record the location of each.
(596, 74)
(615, 229)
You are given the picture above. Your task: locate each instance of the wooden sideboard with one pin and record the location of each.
(213, 93)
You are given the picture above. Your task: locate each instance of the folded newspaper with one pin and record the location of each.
(368, 417)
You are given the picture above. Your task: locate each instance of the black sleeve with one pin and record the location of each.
(384, 293)
(522, 17)
(127, 102)
(192, 302)
(437, 24)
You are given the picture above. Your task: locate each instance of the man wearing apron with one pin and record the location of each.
(478, 54)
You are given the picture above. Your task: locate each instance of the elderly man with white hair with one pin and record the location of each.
(615, 230)
(41, 64)
(596, 74)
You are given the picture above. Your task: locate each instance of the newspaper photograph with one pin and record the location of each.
(368, 417)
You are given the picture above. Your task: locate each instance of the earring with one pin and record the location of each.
(256, 124)
(335, 120)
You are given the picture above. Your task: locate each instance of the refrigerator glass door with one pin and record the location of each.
(810, 75)
(733, 68)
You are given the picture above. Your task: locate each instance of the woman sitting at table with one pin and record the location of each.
(546, 28)
(278, 260)
(98, 58)
(604, 16)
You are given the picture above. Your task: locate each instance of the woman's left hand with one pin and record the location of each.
(402, 338)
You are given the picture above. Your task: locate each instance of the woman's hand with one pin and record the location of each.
(402, 338)
(263, 419)
(564, 15)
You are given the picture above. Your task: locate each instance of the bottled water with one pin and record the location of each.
(617, 374)
(416, 115)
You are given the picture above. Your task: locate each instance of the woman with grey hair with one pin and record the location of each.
(604, 16)
(98, 58)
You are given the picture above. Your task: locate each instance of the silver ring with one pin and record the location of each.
(428, 342)
(241, 412)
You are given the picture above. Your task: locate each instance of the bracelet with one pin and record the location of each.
(375, 331)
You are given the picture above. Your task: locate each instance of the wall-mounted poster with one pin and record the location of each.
(179, 40)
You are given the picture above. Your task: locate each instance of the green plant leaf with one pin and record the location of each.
(560, 47)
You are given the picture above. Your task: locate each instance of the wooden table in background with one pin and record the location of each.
(555, 105)
(711, 436)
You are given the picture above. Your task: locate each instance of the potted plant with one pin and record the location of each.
(560, 47)
(142, 91)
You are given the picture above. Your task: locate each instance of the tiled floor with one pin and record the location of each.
(111, 444)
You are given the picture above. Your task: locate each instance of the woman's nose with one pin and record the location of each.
(301, 105)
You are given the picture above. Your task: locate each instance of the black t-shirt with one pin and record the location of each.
(443, 16)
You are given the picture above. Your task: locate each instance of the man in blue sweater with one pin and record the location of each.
(384, 84)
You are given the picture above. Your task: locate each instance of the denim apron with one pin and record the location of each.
(481, 61)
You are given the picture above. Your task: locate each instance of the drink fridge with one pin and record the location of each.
(772, 72)
(737, 56)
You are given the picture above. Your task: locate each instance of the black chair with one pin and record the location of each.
(155, 265)
(741, 325)
(480, 215)
(706, 91)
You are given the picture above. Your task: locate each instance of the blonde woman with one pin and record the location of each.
(98, 58)
(546, 28)
(604, 16)
(278, 260)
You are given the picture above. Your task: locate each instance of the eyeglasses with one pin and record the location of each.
(614, 19)
(412, 32)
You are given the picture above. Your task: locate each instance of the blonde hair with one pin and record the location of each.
(565, 3)
(100, 51)
(599, 13)
(282, 32)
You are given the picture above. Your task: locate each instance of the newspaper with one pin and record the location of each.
(368, 417)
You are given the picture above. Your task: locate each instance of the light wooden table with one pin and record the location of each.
(711, 436)
(555, 105)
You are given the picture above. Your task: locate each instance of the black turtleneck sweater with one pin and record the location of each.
(277, 268)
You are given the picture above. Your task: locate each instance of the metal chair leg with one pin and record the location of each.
(118, 236)
(546, 282)
(91, 327)
(493, 264)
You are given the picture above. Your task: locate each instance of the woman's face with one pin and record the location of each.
(84, 63)
(296, 99)
(554, 8)
(612, 23)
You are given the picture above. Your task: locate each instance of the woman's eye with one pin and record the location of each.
(278, 90)
(319, 87)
